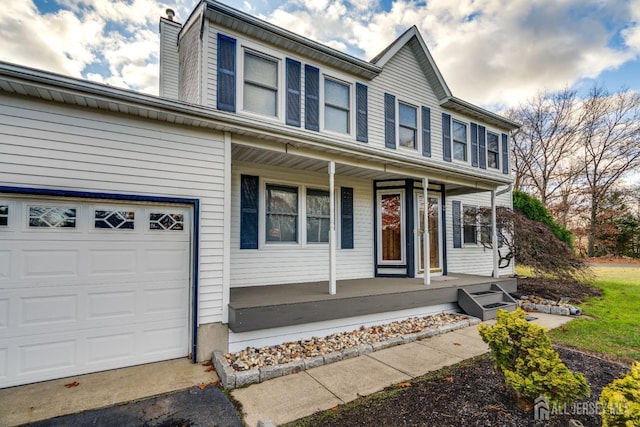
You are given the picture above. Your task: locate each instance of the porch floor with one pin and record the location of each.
(263, 307)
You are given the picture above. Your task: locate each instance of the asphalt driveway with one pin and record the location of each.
(192, 408)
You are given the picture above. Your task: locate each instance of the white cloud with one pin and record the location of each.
(490, 52)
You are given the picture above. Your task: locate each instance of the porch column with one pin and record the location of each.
(332, 230)
(494, 235)
(425, 240)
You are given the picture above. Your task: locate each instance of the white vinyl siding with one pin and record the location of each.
(305, 262)
(473, 259)
(83, 150)
(169, 59)
(190, 65)
(403, 78)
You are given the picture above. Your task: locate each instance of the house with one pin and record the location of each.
(276, 189)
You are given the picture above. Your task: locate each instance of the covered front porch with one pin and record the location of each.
(264, 307)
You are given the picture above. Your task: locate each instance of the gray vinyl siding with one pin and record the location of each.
(473, 259)
(190, 65)
(63, 148)
(274, 264)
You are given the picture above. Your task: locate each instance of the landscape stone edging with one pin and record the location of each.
(561, 310)
(230, 378)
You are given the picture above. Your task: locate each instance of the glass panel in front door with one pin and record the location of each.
(434, 234)
(391, 219)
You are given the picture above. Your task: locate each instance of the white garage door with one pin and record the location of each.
(90, 285)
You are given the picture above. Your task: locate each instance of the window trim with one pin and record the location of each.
(497, 153)
(417, 130)
(262, 52)
(302, 215)
(322, 103)
(403, 225)
(466, 142)
(306, 215)
(479, 227)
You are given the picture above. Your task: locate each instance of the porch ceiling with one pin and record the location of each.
(346, 165)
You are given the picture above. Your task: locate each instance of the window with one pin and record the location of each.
(317, 216)
(493, 150)
(4, 215)
(336, 106)
(459, 141)
(470, 228)
(52, 217)
(166, 221)
(281, 212)
(408, 126)
(260, 85)
(476, 226)
(123, 220)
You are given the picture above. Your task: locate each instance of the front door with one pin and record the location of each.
(434, 234)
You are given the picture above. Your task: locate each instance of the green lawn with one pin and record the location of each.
(614, 328)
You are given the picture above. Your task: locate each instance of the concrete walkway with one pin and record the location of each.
(288, 398)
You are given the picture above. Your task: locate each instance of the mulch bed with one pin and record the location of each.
(554, 289)
(471, 393)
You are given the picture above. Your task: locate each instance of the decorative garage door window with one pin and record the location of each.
(4, 215)
(52, 217)
(166, 221)
(121, 220)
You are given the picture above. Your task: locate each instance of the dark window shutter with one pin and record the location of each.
(446, 137)
(293, 92)
(346, 218)
(226, 73)
(482, 146)
(249, 199)
(474, 144)
(362, 119)
(426, 131)
(505, 153)
(389, 121)
(311, 98)
(456, 217)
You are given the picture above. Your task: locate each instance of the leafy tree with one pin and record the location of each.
(533, 209)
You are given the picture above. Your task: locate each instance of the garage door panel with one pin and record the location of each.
(47, 356)
(48, 310)
(83, 299)
(111, 348)
(110, 305)
(5, 266)
(113, 262)
(47, 263)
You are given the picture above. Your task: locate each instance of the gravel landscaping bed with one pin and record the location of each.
(470, 393)
(260, 364)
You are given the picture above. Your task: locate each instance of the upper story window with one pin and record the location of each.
(493, 150)
(336, 106)
(459, 141)
(260, 93)
(408, 126)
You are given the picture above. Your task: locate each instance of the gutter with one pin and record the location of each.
(105, 97)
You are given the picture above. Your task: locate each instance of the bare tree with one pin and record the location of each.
(610, 138)
(544, 145)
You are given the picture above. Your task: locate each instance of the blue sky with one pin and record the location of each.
(494, 53)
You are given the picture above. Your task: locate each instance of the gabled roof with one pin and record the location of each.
(413, 39)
